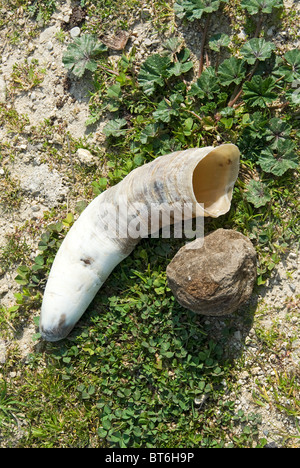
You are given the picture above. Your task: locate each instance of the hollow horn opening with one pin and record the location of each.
(214, 178)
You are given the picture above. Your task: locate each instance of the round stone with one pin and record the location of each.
(215, 275)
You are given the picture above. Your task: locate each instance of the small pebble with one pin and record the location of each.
(75, 32)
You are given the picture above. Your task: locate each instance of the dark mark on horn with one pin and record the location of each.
(58, 332)
(87, 261)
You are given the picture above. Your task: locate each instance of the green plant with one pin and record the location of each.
(257, 193)
(26, 75)
(260, 8)
(42, 10)
(8, 406)
(196, 10)
(15, 251)
(81, 54)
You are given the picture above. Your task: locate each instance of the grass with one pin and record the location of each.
(26, 76)
(139, 370)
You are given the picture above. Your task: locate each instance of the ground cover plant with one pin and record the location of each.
(139, 370)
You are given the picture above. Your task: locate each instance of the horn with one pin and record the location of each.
(114, 222)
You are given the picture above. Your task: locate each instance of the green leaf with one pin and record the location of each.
(289, 66)
(115, 128)
(279, 161)
(219, 40)
(166, 109)
(102, 433)
(259, 92)
(232, 70)
(206, 85)
(293, 94)
(81, 53)
(149, 131)
(257, 193)
(265, 6)
(276, 131)
(114, 91)
(257, 49)
(194, 9)
(153, 72)
(172, 44)
(181, 65)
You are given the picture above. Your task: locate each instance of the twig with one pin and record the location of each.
(259, 24)
(194, 114)
(203, 41)
(239, 88)
(70, 157)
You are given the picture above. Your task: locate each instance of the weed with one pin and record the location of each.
(26, 75)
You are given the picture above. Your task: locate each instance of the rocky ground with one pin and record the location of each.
(39, 184)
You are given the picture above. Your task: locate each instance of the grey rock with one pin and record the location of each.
(214, 277)
(85, 156)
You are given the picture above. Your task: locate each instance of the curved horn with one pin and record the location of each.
(106, 232)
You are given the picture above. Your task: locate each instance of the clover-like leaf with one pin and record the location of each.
(150, 131)
(261, 6)
(231, 70)
(153, 72)
(206, 85)
(280, 160)
(257, 193)
(277, 130)
(219, 40)
(259, 92)
(168, 108)
(194, 9)
(257, 49)
(81, 53)
(115, 128)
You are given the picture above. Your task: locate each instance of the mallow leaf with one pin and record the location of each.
(153, 72)
(257, 49)
(182, 64)
(261, 6)
(293, 94)
(150, 131)
(231, 70)
(168, 108)
(257, 193)
(194, 9)
(278, 161)
(172, 44)
(81, 54)
(289, 66)
(219, 40)
(115, 128)
(277, 130)
(259, 92)
(206, 86)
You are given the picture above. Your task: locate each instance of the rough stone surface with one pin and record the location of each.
(2, 90)
(214, 277)
(85, 156)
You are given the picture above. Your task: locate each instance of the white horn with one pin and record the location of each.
(113, 223)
